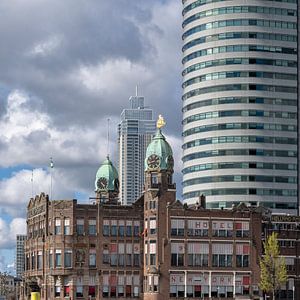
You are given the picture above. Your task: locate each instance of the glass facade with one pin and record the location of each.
(240, 107)
(135, 132)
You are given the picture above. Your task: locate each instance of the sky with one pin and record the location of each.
(66, 67)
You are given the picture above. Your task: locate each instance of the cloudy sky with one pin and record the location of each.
(67, 66)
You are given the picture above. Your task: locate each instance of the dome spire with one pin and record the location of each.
(159, 154)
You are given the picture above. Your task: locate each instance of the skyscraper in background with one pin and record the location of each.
(20, 256)
(240, 123)
(134, 134)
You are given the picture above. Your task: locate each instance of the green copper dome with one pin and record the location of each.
(107, 177)
(159, 154)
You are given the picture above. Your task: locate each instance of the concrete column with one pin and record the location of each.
(234, 283)
(209, 284)
(185, 284)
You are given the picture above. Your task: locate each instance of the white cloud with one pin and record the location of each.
(20, 120)
(9, 231)
(29, 137)
(112, 75)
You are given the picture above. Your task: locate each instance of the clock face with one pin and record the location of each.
(170, 162)
(153, 161)
(102, 183)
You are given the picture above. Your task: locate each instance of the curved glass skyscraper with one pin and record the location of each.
(240, 103)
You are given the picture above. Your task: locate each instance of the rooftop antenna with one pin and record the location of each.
(51, 176)
(136, 90)
(31, 183)
(108, 120)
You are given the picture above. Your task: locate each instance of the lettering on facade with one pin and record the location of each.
(36, 211)
(280, 218)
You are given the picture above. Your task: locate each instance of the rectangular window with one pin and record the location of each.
(105, 229)
(222, 228)
(105, 257)
(113, 255)
(92, 287)
(121, 251)
(113, 286)
(242, 229)
(50, 258)
(152, 226)
(68, 258)
(136, 228)
(242, 283)
(198, 227)
(121, 228)
(105, 288)
(105, 291)
(177, 254)
(79, 291)
(92, 291)
(40, 260)
(152, 250)
(57, 258)
(242, 255)
(198, 254)
(128, 228)
(92, 258)
(80, 226)
(57, 228)
(57, 291)
(66, 287)
(120, 291)
(67, 230)
(113, 228)
(222, 255)
(92, 227)
(177, 227)
(154, 179)
(128, 254)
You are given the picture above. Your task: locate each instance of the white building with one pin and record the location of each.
(240, 103)
(134, 134)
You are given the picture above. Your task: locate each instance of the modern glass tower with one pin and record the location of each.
(135, 132)
(240, 128)
(20, 256)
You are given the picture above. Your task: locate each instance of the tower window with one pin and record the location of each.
(154, 178)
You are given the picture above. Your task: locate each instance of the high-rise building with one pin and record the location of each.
(20, 256)
(240, 129)
(134, 134)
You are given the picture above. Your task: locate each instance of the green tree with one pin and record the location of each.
(5, 288)
(272, 267)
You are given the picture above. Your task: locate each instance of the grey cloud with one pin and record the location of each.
(88, 33)
(37, 137)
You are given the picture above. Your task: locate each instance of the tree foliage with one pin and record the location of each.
(5, 289)
(272, 267)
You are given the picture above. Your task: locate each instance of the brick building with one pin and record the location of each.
(156, 248)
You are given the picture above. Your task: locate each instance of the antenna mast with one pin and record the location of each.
(31, 183)
(51, 175)
(108, 120)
